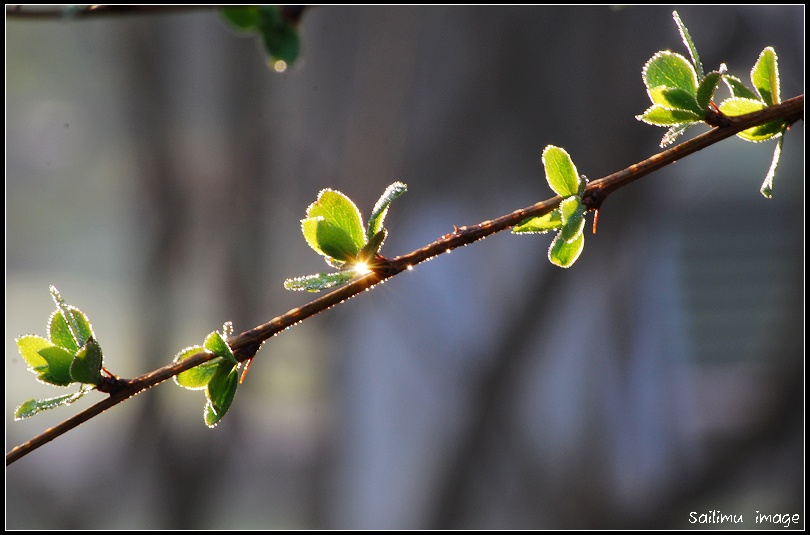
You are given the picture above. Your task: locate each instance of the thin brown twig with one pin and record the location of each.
(246, 345)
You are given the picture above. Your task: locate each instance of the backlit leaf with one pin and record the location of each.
(765, 77)
(561, 173)
(86, 365)
(539, 224)
(563, 253)
(375, 221)
(671, 70)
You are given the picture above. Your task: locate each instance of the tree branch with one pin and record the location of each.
(246, 345)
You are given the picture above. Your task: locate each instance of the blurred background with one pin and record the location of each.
(157, 171)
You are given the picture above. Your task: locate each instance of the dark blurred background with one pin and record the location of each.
(157, 171)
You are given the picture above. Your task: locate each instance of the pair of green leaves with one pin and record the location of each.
(334, 228)
(682, 94)
(69, 355)
(277, 32)
(219, 377)
(568, 217)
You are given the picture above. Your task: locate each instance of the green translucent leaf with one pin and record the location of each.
(706, 89)
(329, 239)
(687, 40)
(671, 70)
(572, 213)
(29, 347)
(373, 246)
(321, 281)
(279, 36)
(58, 367)
(220, 392)
(242, 18)
(561, 173)
(737, 88)
(539, 224)
(197, 377)
(34, 406)
(765, 77)
(68, 334)
(767, 186)
(741, 106)
(77, 323)
(674, 98)
(86, 365)
(334, 225)
(375, 221)
(217, 345)
(674, 132)
(660, 116)
(563, 253)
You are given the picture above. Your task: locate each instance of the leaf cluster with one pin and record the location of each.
(569, 217)
(70, 354)
(682, 96)
(333, 227)
(278, 34)
(219, 376)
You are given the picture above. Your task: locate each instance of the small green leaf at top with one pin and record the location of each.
(765, 77)
(242, 18)
(561, 173)
(706, 89)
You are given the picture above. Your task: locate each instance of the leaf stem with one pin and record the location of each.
(246, 345)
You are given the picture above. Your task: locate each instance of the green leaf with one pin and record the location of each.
(660, 116)
(539, 224)
(321, 281)
(34, 406)
(741, 106)
(220, 392)
(737, 88)
(373, 246)
(86, 366)
(77, 323)
(68, 334)
(706, 89)
(199, 376)
(564, 253)
(57, 371)
(561, 173)
(687, 40)
(329, 240)
(674, 98)
(242, 18)
(333, 226)
(671, 70)
(375, 221)
(674, 132)
(767, 185)
(29, 347)
(217, 345)
(279, 36)
(765, 77)
(572, 213)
